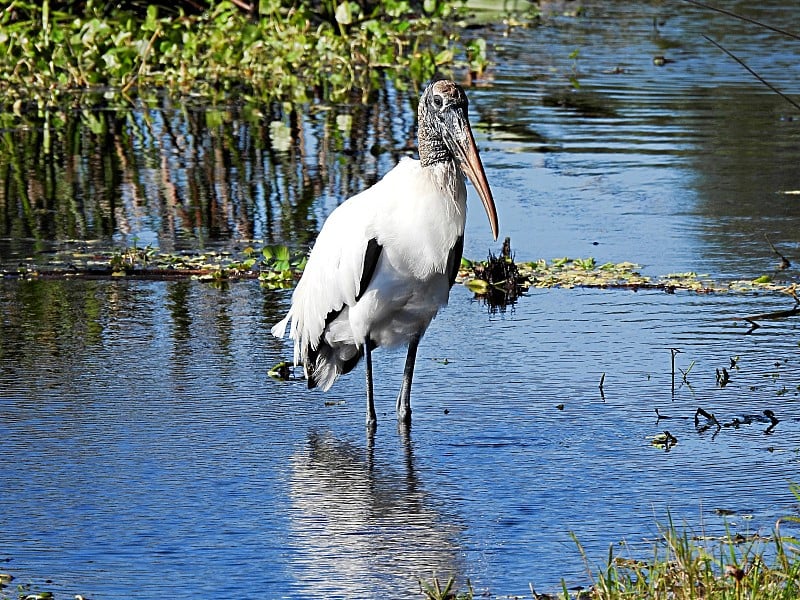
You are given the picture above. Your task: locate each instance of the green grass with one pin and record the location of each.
(684, 568)
(681, 567)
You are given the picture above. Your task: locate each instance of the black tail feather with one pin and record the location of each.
(325, 363)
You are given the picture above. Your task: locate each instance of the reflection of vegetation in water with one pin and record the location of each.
(49, 316)
(52, 308)
(190, 177)
(84, 166)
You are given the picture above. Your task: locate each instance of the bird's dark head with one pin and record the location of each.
(442, 109)
(445, 135)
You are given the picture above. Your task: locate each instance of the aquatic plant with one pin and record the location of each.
(500, 278)
(434, 590)
(275, 52)
(687, 566)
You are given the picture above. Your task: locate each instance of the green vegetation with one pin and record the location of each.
(435, 591)
(585, 272)
(274, 266)
(278, 51)
(278, 266)
(682, 567)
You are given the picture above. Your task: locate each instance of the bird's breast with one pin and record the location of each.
(422, 217)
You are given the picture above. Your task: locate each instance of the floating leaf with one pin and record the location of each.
(663, 440)
(282, 371)
(477, 286)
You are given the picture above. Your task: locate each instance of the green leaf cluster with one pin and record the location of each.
(280, 266)
(288, 52)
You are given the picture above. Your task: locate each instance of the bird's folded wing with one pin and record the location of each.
(338, 270)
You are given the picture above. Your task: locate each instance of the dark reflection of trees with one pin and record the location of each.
(180, 309)
(359, 524)
(56, 319)
(190, 176)
(745, 165)
(51, 327)
(58, 182)
(748, 155)
(179, 306)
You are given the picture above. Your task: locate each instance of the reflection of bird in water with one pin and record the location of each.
(384, 261)
(362, 530)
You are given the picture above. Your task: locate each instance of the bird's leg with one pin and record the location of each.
(372, 421)
(404, 397)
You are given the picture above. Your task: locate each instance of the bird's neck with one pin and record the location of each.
(449, 180)
(432, 150)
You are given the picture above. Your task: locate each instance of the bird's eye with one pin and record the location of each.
(438, 102)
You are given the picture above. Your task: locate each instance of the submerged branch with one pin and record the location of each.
(774, 315)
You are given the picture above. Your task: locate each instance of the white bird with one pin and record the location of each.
(385, 259)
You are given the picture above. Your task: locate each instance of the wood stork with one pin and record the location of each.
(385, 259)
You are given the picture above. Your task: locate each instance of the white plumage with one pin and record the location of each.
(384, 261)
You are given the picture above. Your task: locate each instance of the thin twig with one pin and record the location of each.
(243, 5)
(143, 64)
(743, 18)
(752, 72)
(785, 264)
(687, 371)
(674, 351)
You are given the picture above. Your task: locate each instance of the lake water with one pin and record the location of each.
(146, 453)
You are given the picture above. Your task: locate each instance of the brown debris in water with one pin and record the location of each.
(502, 276)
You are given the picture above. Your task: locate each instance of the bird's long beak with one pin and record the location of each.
(464, 147)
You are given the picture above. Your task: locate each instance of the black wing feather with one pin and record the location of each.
(371, 257)
(454, 259)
